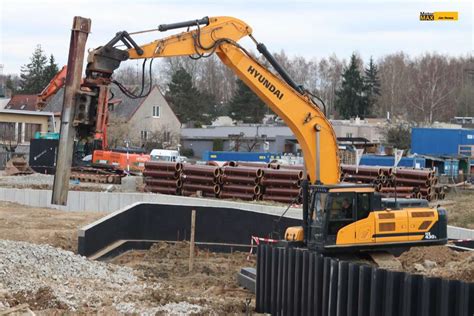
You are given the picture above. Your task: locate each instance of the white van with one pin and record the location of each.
(166, 155)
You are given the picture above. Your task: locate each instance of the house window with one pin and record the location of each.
(7, 132)
(30, 130)
(156, 111)
(144, 135)
(167, 136)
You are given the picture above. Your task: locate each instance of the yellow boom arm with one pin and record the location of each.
(297, 109)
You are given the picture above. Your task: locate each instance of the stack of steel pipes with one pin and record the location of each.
(400, 182)
(163, 177)
(201, 178)
(241, 182)
(282, 185)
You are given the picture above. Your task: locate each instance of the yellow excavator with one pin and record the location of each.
(336, 217)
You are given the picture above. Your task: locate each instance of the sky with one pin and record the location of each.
(313, 29)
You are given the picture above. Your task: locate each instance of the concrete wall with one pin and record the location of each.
(118, 201)
(114, 201)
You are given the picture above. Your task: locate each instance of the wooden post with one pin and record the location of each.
(191, 244)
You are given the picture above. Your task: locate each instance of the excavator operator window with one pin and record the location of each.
(340, 206)
(317, 206)
(363, 205)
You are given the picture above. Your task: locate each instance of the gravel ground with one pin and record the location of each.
(48, 278)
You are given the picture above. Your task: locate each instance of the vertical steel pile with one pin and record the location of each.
(282, 185)
(201, 178)
(400, 182)
(241, 182)
(163, 177)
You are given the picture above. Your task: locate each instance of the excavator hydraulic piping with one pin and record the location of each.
(264, 51)
(178, 25)
(305, 193)
(127, 40)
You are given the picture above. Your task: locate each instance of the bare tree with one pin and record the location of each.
(118, 132)
(432, 89)
(393, 72)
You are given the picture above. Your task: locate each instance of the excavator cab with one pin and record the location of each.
(333, 208)
(345, 218)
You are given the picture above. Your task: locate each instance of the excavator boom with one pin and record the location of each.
(220, 35)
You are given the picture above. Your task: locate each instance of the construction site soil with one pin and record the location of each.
(39, 271)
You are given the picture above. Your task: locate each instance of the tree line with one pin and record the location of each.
(423, 89)
(34, 76)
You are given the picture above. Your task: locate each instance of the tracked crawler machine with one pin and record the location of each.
(336, 217)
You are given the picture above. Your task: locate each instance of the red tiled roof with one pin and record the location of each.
(25, 102)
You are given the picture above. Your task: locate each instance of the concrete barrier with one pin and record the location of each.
(115, 201)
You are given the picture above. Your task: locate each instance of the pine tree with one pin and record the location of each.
(32, 74)
(188, 103)
(351, 98)
(245, 105)
(372, 84)
(50, 70)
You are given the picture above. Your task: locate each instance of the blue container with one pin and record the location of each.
(440, 141)
(451, 167)
(238, 156)
(388, 161)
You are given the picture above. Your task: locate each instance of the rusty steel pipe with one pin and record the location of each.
(201, 170)
(238, 179)
(357, 177)
(163, 165)
(198, 187)
(378, 187)
(398, 195)
(164, 182)
(191, 178)
(230, 164)
(413, 182)
(273, 165)
(266, 182)
(284, 174)
(236, 195)
(162, 190)
(263, 165)
(161, 174)
(243, 171)
(292, 167)
(426, 191)
(415, 174)
(241, 188)
(366, 170)
(282, 191)
(194, 193)
(397, 189)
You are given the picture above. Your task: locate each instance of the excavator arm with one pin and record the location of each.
(219, 35)
(56, 83)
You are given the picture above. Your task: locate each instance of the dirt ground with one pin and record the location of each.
(212, 283)
(460, 207)
(43, 225)
(439, 261)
